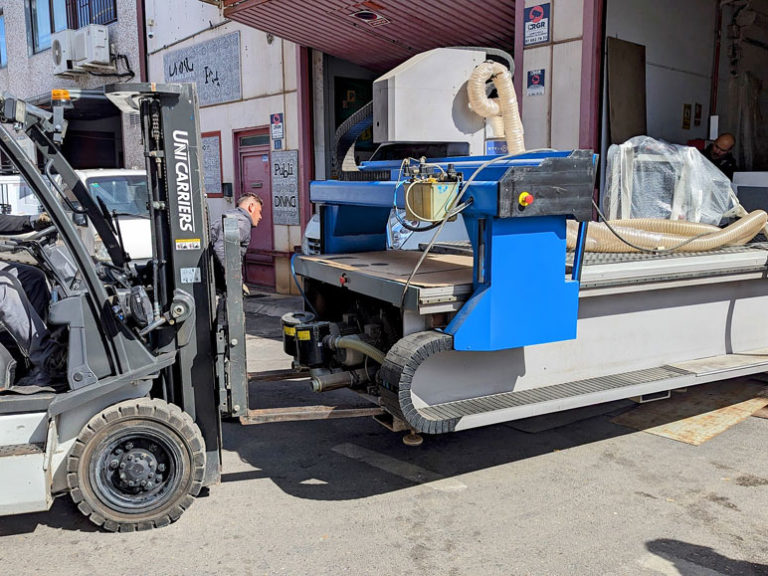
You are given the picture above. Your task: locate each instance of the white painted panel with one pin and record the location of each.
(568, 19)
(536, 108)
(23, 428)
(291, 121)
(166, 27)
(290, 65)
(23, 485)
(566, 95)
(667, 91)
(282, 238)
(262, 64)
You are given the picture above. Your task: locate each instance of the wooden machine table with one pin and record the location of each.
(442, 283)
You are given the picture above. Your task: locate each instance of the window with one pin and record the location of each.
(47, 16)
(55, 15)
(126, 195)
(257, 140)
(3, 48)
(83, 12)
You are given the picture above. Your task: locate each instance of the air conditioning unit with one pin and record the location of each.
(64, 55)
(92, 47)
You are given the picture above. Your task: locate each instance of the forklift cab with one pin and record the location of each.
(137, 432)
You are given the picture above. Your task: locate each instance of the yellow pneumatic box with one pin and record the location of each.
(428, 200)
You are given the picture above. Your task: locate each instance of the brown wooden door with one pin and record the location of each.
(255, 177)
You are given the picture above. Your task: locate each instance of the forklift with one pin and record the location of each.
(150, 372)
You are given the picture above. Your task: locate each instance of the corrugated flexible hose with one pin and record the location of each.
(658, 234)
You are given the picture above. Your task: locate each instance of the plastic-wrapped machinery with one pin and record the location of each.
(650, 178)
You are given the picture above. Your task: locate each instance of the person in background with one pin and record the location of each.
(248, 214)
(721, 155)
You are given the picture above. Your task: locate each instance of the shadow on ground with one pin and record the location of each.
(689, 559)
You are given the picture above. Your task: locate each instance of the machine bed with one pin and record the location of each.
(444, 280)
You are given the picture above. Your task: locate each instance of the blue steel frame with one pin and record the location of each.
(522, 295)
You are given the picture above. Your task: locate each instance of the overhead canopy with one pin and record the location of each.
(380, 34)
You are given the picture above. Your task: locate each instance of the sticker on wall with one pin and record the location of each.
(697, 114)
(277, 144)
(686, 116)
(536, 22)
(535, 83)
(276, 125)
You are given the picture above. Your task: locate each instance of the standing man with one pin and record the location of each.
(721, 155)
(248, 214)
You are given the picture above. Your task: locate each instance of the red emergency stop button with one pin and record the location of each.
(525, 199)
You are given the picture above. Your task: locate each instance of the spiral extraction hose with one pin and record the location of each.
(505, 105)
(653, 235)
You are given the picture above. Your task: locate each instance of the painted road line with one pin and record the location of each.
(399, 468)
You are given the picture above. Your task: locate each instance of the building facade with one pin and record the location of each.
(247, 85)
(33, 32)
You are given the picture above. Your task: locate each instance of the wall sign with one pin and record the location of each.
(686, 116)
(535, 82)
(213, 65)
(285, 187)
(276, 126)
(211, 142)
(536, 22)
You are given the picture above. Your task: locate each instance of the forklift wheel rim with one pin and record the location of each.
(113, 492)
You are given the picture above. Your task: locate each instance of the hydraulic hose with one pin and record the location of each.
(336, 380)
(658, 234)
(353, 343)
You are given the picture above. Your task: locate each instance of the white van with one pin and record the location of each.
(16, 197)
(124, 194)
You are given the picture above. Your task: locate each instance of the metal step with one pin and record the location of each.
(514, 405)
(461, 408)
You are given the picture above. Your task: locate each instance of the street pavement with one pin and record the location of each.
(348, 497)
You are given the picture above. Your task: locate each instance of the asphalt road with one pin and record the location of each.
(347, 497)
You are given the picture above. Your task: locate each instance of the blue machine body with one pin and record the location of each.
(521, 293)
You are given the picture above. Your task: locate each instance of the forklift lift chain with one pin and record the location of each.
(397, 373)
(136, 465)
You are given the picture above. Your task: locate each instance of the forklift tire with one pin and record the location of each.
(136, 465)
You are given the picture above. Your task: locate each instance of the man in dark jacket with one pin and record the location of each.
(31, 278)
(248, 214)
(24, 298)
(721, 155)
